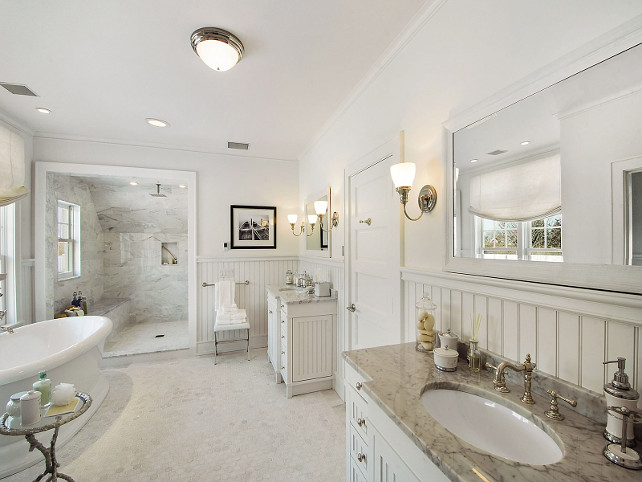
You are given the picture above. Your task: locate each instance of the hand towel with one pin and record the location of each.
(223, 294)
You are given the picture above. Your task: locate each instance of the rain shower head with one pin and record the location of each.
(157, 193)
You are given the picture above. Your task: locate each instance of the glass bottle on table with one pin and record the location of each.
(425, 324)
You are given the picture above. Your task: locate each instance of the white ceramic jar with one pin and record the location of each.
(30, 407)
(13, 405)
(446, 359)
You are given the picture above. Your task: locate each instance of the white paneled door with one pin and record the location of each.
(374, 252)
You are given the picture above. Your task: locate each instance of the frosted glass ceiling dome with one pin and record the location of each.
(218, 48)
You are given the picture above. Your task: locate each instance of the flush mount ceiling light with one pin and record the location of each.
(156, 122)
(218, 48)
(43, 110)
(525, 143)
(133, 183)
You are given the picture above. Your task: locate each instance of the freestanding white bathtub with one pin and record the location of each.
(69, 350)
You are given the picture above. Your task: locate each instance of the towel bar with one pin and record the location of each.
(246, 282)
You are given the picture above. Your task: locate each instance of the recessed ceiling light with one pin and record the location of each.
(182, 186)
(525, 143)
(156, 122)
(474, 160)
(133, 183)
(43, 110)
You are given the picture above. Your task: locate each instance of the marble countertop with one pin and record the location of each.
(399, 375)
(290, 294)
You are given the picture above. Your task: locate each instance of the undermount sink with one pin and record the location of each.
(491, 427)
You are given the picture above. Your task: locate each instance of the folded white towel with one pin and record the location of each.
(228, 309)
(228, 318)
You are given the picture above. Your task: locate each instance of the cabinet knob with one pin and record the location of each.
(351, 308)
(358, 385)
(282, 353)
(270, 311)
(361, 457)
(361, 422)
(282, 337)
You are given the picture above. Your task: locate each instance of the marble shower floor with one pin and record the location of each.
(141, 338)
(186, 419)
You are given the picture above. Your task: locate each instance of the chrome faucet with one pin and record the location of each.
(500, 381)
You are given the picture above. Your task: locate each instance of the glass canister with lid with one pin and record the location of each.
(425, 324)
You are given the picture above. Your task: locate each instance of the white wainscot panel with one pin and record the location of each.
(567, 331)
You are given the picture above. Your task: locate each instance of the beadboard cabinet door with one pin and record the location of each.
(311, 347)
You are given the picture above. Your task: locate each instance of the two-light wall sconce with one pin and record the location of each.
(320, 207)
(402, 176)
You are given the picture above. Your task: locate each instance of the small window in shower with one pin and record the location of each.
(168, 253)
(68, 240)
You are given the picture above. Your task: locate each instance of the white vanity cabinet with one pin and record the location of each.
(274, 334)
(370, 438)
(302, 339)
(308, 345)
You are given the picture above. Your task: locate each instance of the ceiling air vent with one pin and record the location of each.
(497, 152)
(18, 89)
(238, 145)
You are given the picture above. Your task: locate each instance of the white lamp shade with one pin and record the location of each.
(217, 54)
(312, 218)
(292, 218)
(320, 207)
(403, 174)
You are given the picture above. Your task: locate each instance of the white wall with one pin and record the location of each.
(222, 180)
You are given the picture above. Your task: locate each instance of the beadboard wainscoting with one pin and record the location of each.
(331, 270)
(260, 272)
(569, 332)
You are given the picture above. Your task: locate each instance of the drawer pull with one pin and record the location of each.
(361, 422)
(358, 385)
(361, 457)
(366, 221)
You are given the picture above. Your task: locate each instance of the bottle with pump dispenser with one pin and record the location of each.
(619, 393)
(43, 385)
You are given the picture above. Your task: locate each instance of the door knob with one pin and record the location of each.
(366, 221)
(351, 308)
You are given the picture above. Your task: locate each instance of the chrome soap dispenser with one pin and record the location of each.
(619, 393)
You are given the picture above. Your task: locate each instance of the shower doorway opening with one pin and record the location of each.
(137, 247)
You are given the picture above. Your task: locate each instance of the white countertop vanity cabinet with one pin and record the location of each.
(274, 333)
(370, 438)
(302, 333)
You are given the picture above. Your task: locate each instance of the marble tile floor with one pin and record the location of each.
(138, 338)
(186, 419)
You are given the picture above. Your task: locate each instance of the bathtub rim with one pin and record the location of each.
(12, 374)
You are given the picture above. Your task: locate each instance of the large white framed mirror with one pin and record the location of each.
(317, 242)
(542, 181)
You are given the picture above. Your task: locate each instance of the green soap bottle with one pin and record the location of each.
(43, 385)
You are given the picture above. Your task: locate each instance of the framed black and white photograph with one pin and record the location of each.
(253, 227)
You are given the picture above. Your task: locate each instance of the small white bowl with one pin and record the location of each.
(446, 359)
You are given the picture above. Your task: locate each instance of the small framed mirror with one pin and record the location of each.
(317, 241)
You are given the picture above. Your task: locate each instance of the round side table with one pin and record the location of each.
(12, 426)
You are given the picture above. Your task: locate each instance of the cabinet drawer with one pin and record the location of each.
(359, 451)
(355, 472)
(357, 412)
(355, 380)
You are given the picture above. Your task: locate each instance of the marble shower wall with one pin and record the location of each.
(59, 293)
(133, 269)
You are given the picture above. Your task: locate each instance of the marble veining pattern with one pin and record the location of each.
(399, 375)
(59, 293)
(133, 269)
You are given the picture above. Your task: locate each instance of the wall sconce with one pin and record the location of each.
(312, 220)
(321, 208)
(402, 175)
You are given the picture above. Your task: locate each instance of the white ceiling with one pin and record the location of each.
(103, 67)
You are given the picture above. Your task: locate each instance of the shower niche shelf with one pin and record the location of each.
(168, 253)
